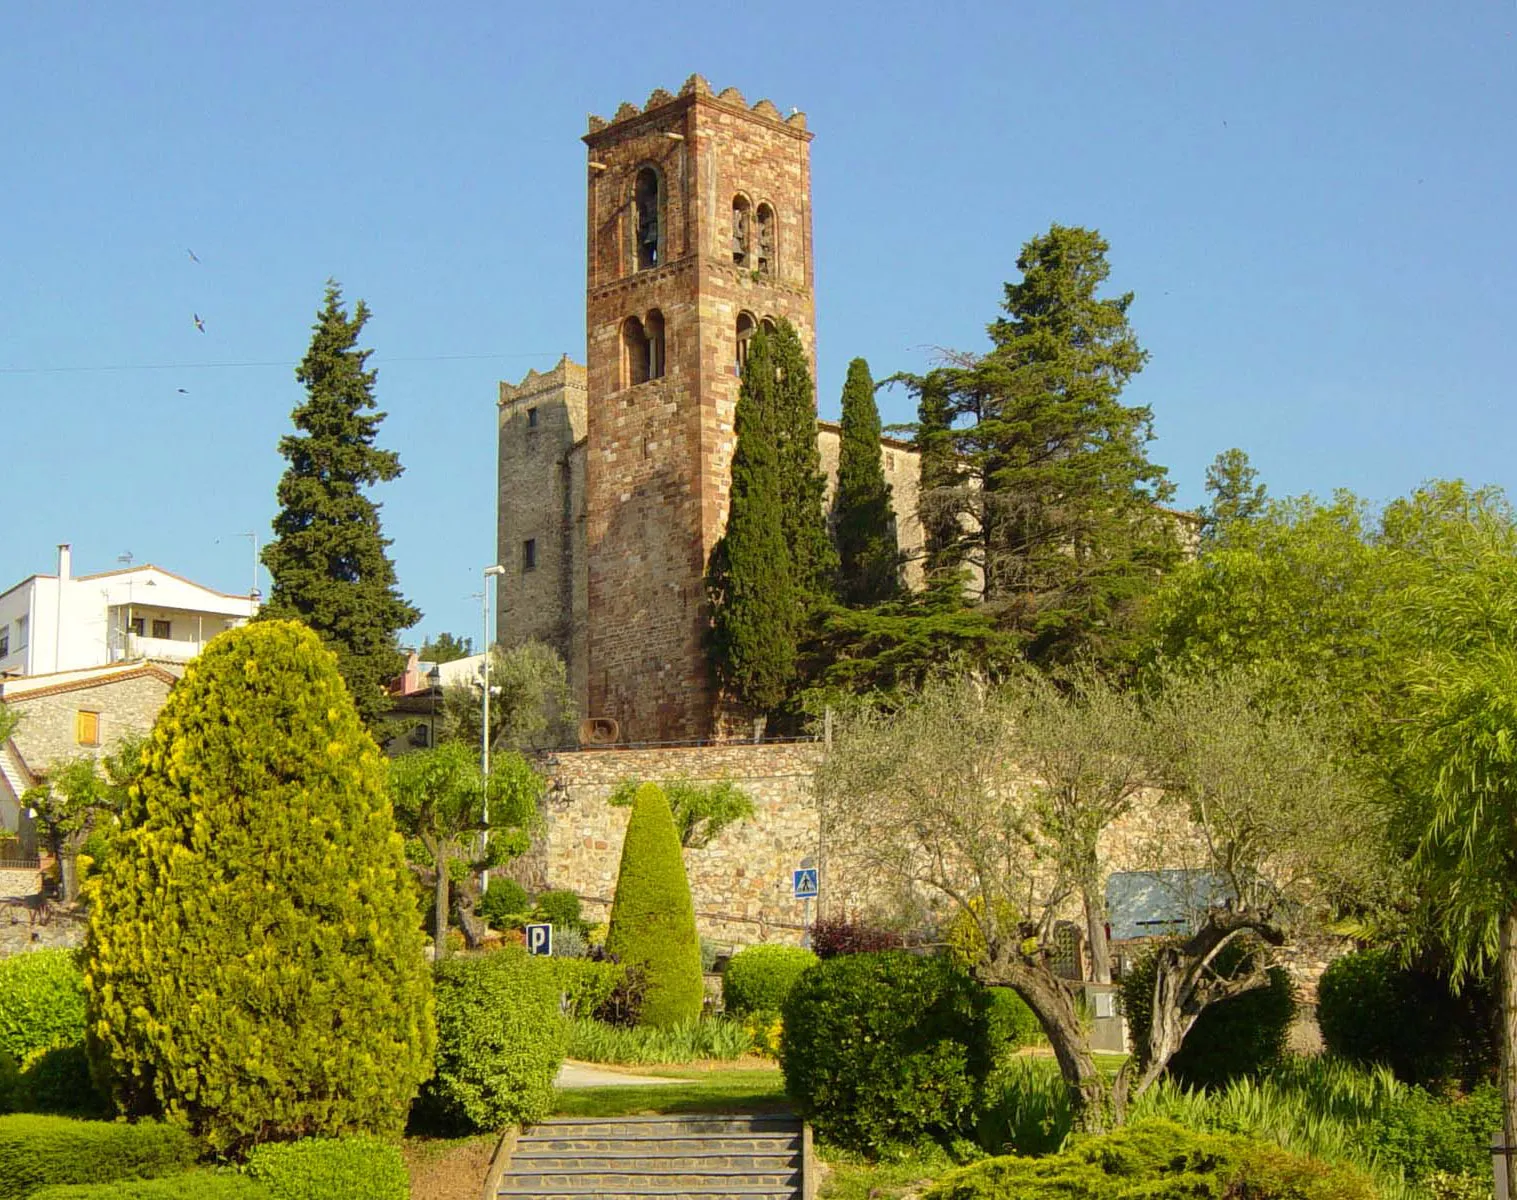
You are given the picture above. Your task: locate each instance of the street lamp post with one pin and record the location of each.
(491, 572)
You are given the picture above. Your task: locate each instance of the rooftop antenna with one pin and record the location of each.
(252, 536)
(125, 558)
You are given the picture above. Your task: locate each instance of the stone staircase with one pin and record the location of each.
(693, 1157)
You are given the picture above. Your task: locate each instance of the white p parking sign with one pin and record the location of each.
(540, 939)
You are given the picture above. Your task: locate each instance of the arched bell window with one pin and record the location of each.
(653, 328)
(648, 219)
(767, 258)
(636, 353)
(741, 230)
(746, 327)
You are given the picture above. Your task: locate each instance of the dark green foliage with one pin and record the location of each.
(254, 959)
(885, 1048)
(701, 810)
(1372, 1009)
(505, 903)
(832, 936)
(587, 984)
(758, 978)
(1157, 1160)
(1244, 1035)
(1421, 1134)
(653, 918)
(869, 559)
(792, 408)
(10, 1080)
(35, 1151)
(331, 1169)
(1235, 493)
(41, 1002)
(58, 1080)
(757, 608)
(1034, 471)
(328, 561)
(559, 909)
(1012, 1023)
(445, 648)
(500, 1040)
(191, 1185)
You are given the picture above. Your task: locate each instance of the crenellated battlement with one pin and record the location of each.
(696, 85)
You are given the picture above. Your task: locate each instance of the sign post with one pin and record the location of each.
(540, 939)
(804, 882)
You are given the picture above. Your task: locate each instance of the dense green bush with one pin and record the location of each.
(759, 978)
(653, 918)
(1243, 1035)
(331, 1169)
(504, 905)
(884, 1048)
(1156, 1160)
(10, 1080)
(41, 1002)
(255, 957)
(500, 1039)
(559, 909)
(39, 1150)
(1012, 1023)
(586, 984)
(1373, 1009)
(59, 1081)
(192, 1185)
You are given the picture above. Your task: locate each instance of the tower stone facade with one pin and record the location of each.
(699, 230)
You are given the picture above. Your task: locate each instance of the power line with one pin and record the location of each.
(282, 362)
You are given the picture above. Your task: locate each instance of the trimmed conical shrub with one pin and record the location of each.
(254, 963)
(652, 918)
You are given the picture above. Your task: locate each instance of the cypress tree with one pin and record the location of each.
(940, 493)
(328, 559)
(756, 608)
(254, 964)
(653, 917)
(803, 487)
(868, 555)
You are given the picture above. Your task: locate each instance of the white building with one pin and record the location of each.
(63, 622)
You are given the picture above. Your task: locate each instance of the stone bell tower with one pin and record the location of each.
(699, 211)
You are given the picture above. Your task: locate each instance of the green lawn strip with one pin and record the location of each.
(849, 1178)
(742, 1090)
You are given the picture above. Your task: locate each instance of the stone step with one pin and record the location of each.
(758, 1143)
(523, 1161)
(669, 1176)
(660, 1126)
(679, 1193)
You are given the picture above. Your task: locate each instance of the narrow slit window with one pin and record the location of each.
(766, 240)
(529, 555)
(654, 329)
(647, 203)
(531, 418)
(740, 222)
(636, 367)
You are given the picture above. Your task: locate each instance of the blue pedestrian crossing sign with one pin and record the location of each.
(540, 939)
(805, 881)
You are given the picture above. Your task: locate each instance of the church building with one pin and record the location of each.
(614, 476)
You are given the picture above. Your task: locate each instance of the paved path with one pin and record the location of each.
(583, 1075)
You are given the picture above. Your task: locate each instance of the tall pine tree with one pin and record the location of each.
(803, 487)
(328, 559)
(868, 554)
(757, 609)
(1056, 500)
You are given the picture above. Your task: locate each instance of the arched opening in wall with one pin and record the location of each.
(635, 364)
(767, 251)
(746, 326)
(654, 328)
(740, 223)
(768, 326)
(648, 218)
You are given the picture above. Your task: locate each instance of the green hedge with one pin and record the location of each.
(1156, 1160)
(41, 1002)
(586, 984)
(559, 908)
(59, 1081)
(40, 1150)
(331, 1169)
(885, 1048)
(1012, 1023)
(192, 1185)
(759, 978)
(1244, 1035)
(652, 916)
(503, 900)
(500, 1039)
(1374, 1010)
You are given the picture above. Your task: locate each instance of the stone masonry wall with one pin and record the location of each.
(126, 706)
(741, 883)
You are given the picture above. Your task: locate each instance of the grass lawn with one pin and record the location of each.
(701, 1089)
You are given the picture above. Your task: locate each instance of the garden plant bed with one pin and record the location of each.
(448, 1168)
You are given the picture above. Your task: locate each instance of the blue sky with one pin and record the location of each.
(1312, 202)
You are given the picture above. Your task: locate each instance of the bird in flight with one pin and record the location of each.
(199, 324)
(184, 391)
(191, 253)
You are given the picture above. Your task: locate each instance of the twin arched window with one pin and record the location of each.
(753, 236)
(747, 326)
(642, 349)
